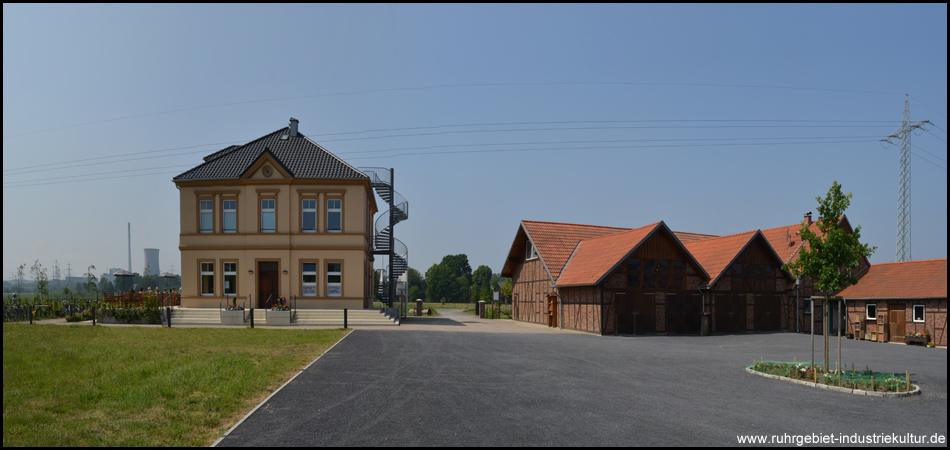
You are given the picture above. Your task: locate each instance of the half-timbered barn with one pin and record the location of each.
(537, 256)
(632, 282)
(609, 280)
(747, 289)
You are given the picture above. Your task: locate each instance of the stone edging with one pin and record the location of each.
(916, 390)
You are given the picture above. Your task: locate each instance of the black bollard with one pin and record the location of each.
(344, 318)
(252, 317)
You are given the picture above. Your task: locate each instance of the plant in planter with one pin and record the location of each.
(916, 339)
(281, 306)
(233, 306)
(279, 314)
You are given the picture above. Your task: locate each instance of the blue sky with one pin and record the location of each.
(713, 118)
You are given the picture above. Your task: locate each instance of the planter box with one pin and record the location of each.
(232, 317)
(278, 317)
(915, 340)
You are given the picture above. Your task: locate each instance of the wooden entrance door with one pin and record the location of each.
(552, 311)
(896, 326)
(730, 313)
(766, 310)
(623, 304)
(683, 312)
(268, 286)
(645, 310)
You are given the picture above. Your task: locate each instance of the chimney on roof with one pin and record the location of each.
(808, 218)
(293, 127)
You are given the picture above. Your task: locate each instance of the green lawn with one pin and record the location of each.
(142, 386)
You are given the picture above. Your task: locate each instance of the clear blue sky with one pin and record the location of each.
(713, 118)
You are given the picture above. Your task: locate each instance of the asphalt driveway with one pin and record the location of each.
(461, 381)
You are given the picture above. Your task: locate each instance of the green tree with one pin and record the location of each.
(19, 276)
(415, 280)
(481, 278)
(449, 280)
(42, 280)
(90, 284)
(832, 254)
(106, 285)
(507, 289)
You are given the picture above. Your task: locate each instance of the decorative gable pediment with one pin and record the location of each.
(267, 167)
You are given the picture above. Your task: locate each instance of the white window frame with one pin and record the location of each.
(304, 284)
(335, 288)
(271, 209)
(806, 303)
(337, 211)
(206, 216)
(531, 252)
(867, 311)
(207, 270)
(923, 313)
(232, 212)
(308, 209)
(230, 276)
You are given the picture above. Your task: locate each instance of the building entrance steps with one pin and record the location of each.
(303, 317)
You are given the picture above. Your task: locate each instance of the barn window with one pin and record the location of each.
(870, 311)
(530, 251)
(918, 313)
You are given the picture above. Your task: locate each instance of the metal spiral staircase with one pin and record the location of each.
(384, 243)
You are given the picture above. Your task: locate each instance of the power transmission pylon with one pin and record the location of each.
(903, 190)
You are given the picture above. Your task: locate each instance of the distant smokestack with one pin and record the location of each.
(293, 127)
(130, 246)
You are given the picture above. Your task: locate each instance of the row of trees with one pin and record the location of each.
(452, 280)
(40, 284)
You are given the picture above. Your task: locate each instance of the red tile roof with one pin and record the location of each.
(716, 254)
(909, 279)
(685, 237)
(595, 258)
(786, 240)
(555, 241)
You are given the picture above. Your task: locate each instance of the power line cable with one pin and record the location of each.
(445, 86)
(113, 161)
(931, 154)
(584, 148)
(917, 100)
(22, 170)
(98, 158)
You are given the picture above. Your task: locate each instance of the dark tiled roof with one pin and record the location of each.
(299, 155)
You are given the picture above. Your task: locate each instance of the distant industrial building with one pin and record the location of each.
(151, 262)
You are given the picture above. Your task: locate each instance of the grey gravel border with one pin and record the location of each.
(916, 390)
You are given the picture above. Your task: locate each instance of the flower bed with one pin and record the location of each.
(866, 380)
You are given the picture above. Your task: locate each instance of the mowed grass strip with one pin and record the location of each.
(142, 386)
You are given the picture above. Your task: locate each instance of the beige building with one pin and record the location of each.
(277, 217)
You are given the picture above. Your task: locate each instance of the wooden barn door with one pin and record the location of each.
(645, 311)
(897, 326)
(767, 312)
(626, 317)
(730, 313)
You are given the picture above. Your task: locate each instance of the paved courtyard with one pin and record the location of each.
(460, 381)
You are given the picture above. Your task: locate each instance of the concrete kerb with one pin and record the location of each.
(916, 390)
(215, 444)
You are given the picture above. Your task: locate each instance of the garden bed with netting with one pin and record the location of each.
(866, 382)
